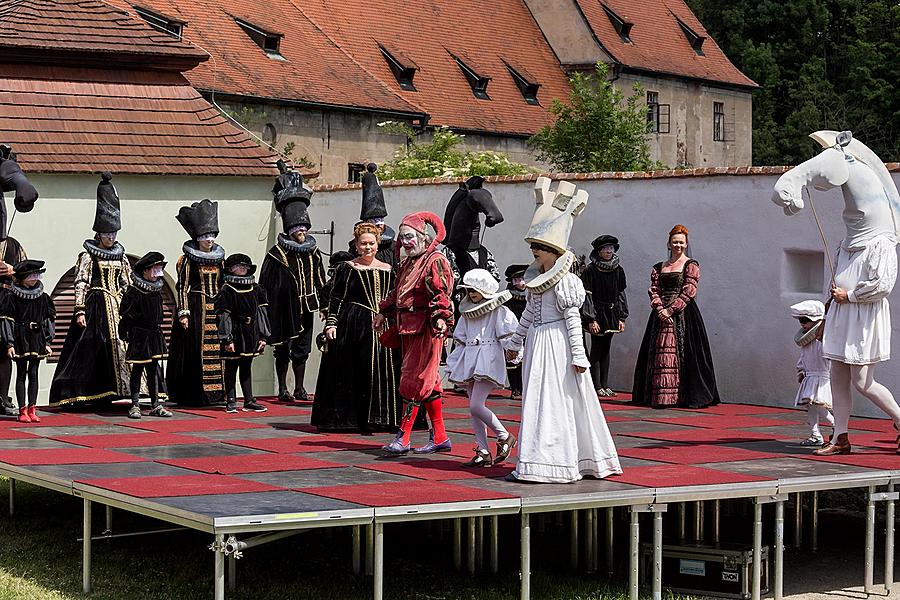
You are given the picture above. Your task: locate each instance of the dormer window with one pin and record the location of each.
(525, 82)
(477, 82)
(622, 27)
(695, 39)
(159, 22)
(403, 69)
(269, 42)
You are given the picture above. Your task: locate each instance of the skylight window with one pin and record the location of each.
(696, 40)
(269, 42)
(159, 22)
(404, 70)
(525, 82)
(623, 27)
(477, 82)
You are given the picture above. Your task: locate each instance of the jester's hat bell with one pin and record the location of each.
(108, 217)
(551, 226)
(200, 218)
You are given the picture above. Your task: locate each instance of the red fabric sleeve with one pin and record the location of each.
(655, 300)
(690, 279)
(439, 282)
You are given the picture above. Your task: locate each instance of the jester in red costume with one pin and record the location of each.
(422, 307)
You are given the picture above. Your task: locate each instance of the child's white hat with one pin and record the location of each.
(482, 282)
(811, 309)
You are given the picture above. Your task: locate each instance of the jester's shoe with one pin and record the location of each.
(396, 447)
(431, 447)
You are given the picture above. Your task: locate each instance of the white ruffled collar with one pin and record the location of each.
(537, 282)
(471, 310)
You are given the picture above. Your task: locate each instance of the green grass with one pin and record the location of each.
(40, 559)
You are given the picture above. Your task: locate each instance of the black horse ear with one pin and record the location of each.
(5, 151)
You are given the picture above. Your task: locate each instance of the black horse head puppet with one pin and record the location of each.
(464, 224)
(13, 179)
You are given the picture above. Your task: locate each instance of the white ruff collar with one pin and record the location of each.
(472, 311)
(537, 282)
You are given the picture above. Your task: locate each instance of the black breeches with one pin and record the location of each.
(239, 368)
(152, 371)
(599, 359)
(27, 368)
(5, 376)
(294, 353)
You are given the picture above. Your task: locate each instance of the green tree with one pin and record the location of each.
(820, 64)
(441, 157)
(597, 130)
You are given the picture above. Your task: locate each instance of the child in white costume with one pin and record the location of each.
(478, 363)
(813, 369)
(563, 436)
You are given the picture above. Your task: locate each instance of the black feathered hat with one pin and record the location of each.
(373, 206)
(148, 260)
(13, 179)
(606, 240)
(28, 266)
(240, 259)
(108, 217)
(292, 197)
(513, 271)
(200, 218)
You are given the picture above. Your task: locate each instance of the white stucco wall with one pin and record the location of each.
(63, 216)
(740, 237)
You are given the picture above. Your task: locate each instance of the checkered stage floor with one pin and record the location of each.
(218, 465)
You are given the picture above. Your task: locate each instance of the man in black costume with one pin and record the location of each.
(515, 277)
(464, 226)
(293, 275)
(11, 252)
(374, 211)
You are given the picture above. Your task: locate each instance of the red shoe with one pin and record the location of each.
(32, 414)
(23, 415)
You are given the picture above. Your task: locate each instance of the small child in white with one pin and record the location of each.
(813, 369)
(478, 362)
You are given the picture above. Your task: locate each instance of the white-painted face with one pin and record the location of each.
(411, 240)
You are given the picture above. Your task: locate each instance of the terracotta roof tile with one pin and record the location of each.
(70, 120)
(657, 41)
(85, 26)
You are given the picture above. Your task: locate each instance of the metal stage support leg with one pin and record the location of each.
(595, 542)
(378, 579)
(479, 543)
(757, 551)
(109, 519)
(702, 508)
(218, 549)
(231, 569)
(682, 522)
(717, 519)
(889, 543)
(573, 539)
(779, 550)
(86, 548)
(798, 520)
(869, 585)
(634, 572)
(356, 549)
(814, 522)
(698, 520)
(470, 523)
(525, 557)
(457, 544)
(610, 522)
(495, 543)
(370, 549)
(12, 497)
(589, 540)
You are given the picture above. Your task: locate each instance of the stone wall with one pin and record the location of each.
(755, 261)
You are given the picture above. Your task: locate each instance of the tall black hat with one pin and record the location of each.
(148, 260)
(515, 271)
(13, 179)
(373, 206)
(292, 198)
(108, 217)
(27, 267)
(200, 218)
(606, 240)
(240, 259)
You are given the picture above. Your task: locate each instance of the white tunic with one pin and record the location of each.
(478, 353)
(859, 332)
(563, 435)
(816, 385)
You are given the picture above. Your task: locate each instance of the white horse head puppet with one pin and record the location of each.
(871, 200)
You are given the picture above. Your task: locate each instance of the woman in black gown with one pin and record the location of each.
(358, 378)
(675, 366)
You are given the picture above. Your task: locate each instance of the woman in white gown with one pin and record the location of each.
(563, 435)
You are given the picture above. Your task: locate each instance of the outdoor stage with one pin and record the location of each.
(251, 478)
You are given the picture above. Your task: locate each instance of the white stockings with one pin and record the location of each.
(862, 379)
(482, 416)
